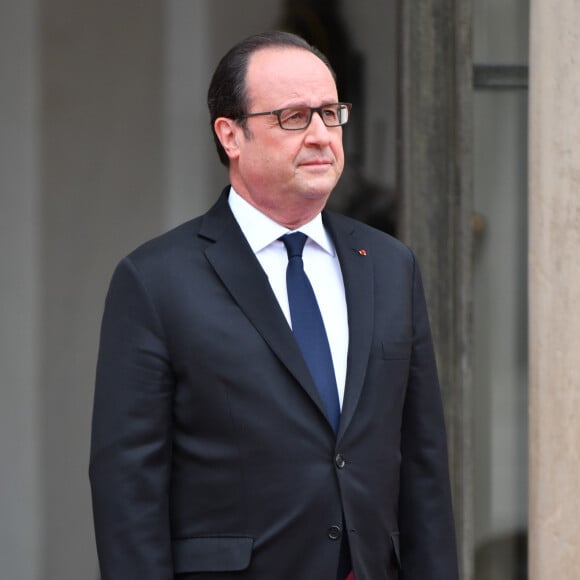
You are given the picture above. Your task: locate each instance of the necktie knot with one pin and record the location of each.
(294, 244)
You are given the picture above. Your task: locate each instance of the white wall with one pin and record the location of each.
(188, 146)
(100, 150)
(20, 290)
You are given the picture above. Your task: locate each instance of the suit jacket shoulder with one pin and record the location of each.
(368, 240)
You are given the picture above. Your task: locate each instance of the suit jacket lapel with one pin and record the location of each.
(239, 270)
(357, 273)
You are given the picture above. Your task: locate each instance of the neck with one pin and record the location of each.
(293, 222)
(291, 215)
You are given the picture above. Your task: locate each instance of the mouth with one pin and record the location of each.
(316, 163)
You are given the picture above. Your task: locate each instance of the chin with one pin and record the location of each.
(317, 194)
(319, 190)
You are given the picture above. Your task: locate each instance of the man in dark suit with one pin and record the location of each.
(222, 446)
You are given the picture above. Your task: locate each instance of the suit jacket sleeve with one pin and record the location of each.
(131, 442)
(428, 550)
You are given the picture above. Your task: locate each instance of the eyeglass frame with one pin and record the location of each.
(278, 112)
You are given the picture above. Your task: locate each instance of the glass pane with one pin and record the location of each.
(500, 299)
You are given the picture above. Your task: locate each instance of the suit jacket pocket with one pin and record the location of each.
(212, 554)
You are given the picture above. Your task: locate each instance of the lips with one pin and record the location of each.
(316, 162)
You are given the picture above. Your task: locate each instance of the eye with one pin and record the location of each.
(330, 114)
(294, 117)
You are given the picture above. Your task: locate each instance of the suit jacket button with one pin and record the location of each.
(334, 532)
(339, 461)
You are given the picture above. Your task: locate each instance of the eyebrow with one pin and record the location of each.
(303, 104)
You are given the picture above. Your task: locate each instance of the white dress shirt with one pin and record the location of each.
(320, 264)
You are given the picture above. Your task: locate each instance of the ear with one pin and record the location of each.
(228, 132)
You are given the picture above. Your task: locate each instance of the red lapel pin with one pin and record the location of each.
(362, 252)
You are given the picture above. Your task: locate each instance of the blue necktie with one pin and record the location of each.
(308, 327)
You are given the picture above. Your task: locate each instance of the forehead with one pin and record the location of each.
(282, 74)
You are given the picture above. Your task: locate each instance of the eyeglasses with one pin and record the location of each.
(297, 118)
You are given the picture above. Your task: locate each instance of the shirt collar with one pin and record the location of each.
(261, 231)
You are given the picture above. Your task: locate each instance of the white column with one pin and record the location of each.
(20, 546)
(188, 145)
(555, 290)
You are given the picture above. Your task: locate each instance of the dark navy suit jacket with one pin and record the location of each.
(212, 457)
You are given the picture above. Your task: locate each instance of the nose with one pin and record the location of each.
(317, 132)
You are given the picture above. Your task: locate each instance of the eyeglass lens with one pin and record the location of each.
(300, 117)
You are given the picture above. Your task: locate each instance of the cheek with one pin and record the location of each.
(281, 158)
(272, 159)
(338, 150)
(264, 170)
(339, 155)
